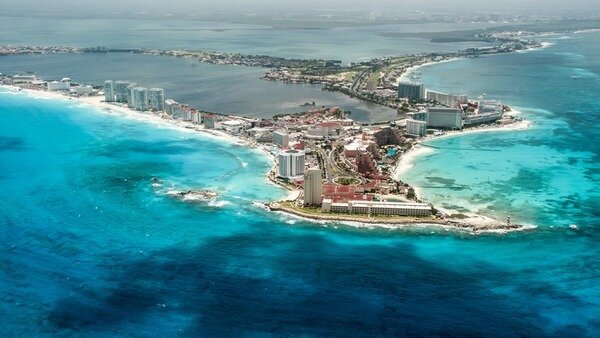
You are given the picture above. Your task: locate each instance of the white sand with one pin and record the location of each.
(405, 75)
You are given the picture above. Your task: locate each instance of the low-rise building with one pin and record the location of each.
(84, 90)
(63, 84)
(377, 208)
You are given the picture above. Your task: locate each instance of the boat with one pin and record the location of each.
(575, 77)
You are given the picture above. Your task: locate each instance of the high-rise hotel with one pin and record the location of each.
(156, 96)
(109, 91)
(291, 163)
(313, 187)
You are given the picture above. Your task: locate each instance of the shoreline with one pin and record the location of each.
(478, 223)
(473, 224)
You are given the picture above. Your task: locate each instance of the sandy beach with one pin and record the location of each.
(405, 75)
(474, 223)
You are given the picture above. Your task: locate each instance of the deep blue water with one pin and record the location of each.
(90, 248)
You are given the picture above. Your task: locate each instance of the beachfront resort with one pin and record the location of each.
(334, 167)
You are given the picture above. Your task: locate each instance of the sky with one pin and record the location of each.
(282, 5)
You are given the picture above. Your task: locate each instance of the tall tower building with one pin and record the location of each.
(109, 91)
(291, 163)
(121, 91)
(130, 95)
(140, 98)
(156, 96)
(313, 187)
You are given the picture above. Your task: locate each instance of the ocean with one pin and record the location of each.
(91, 248)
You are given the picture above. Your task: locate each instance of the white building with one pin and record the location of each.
(416, 127)
(140, 98)
(449, 100)
(291, 163)
(313, 187)
(450, 118)
(84, 90)
(64, 84)
(130, 94)
(233, 126)
(121, 91)
(156, 96)
(109, 91)
(487, 111)
(377, 208)
(281, 139)
(22, 78)
(196, 117)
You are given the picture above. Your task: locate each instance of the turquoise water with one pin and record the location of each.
(547, 175)
(90, 248)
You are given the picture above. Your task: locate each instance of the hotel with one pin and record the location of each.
(281, 139)
(313, 187)
(140, 98)
(447, 118)
(109, 91)
(291, 163)
(412, 91)
(130, 94)
(449, 100)
(377, 208)
(121, 91)
(157, 99)
(416, 127)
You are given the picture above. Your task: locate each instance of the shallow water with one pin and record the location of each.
(89, 247)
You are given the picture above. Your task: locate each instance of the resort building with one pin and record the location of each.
(64, 84)
(84, 90)
(449, 100)
(358, 146)
(130, 95)
(109, 91)
(196, 116)
(156, 97)
(487, 111)
(281, 139)
(412, 91)
(22, 78)
(233, 126)
(140, 98)
(121, 91)
(448, 118)
(416, 128)
(291, 163)
(325, 130)
(377, 208)
(419, 116)
(313, 187)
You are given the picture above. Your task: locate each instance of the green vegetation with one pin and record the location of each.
(347, 180)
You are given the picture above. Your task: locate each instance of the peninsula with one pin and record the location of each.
(336, 169)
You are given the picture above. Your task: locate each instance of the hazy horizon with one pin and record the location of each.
(265, 7)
